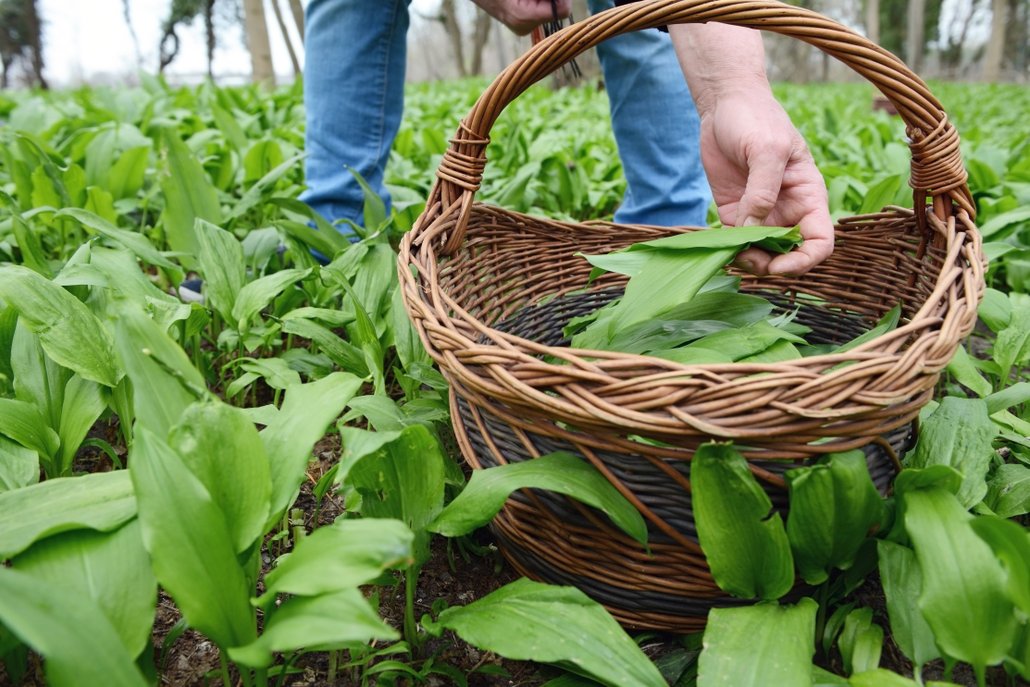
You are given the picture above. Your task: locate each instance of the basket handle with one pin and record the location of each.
(936, 170)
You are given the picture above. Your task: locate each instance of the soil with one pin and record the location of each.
(457, 573)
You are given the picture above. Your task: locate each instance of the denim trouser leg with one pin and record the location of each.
(355, 52)
(656, 128)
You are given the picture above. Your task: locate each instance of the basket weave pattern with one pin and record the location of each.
(489, 291)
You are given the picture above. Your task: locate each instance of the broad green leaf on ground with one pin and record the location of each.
(882, 677)
(84, 401)
(1006, 398)
(833, 507)
(560, 472)
(343, 555)
(134, 241)
(1008, 490)
(70, 334)
(189, 194)
(163, 377)
(405, 481)
(861, 641)
(530, 621)
(324, 622)
(1011, 544)
(959, 434)
(221, 447)
(744, 541)
(902, 585)
(1012, 347)
(289, 438)
(23, 423)
(69, 630)
(965, 373)
(998, 226)
(101, 501)
(111, 569)
(32, 253)
(223, 267)
(964, 597)
(995, 309)
(19, 466)
(38, 379)
(256, 295)
(777, 642)
(190, 546)
(343, 353)
(256, 193)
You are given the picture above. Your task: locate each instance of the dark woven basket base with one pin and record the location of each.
(554, 539)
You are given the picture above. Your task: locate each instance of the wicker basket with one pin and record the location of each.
(489, 291)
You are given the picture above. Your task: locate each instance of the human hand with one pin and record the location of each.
(762, 173)
(522, 16)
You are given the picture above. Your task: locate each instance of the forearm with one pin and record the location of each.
(718, 59)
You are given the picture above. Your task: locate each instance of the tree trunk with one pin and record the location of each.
(256, 30)
(209, 28)
(915, 34)
(995, 52)
(298, 18)
(35, 42)
(480, 36)
(286, 36)
(1017, 36)
(449, 17)
(872, 20)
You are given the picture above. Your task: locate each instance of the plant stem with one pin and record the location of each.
(410, 628)
(226, 680)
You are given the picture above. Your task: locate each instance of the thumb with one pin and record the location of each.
(762, 190)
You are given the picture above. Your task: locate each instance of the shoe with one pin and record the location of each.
(191, 290)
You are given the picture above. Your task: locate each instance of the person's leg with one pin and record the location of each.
(355, 52)
(656, 128)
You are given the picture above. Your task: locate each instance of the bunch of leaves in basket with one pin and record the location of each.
(679, 305)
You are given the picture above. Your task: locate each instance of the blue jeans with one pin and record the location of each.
(354, 97)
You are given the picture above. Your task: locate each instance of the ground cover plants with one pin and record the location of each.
(149, 444)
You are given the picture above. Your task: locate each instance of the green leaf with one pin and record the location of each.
(83, 404)
(24, 423)
(1006, 398)
(165, 379)
(886, 678)
(101, 501)
(189, 194)
(38, 380)
(902, 582)
(777, 642)
(965, 373)
(256, 193)
(1012, 347)
(861, 641)
(75, 637)
(134, 241)
(326, 622)
(190, 545)
(887, 323)
(881, 194)
(256, 295)
(1002, 224)
(346, 554)
(221, 447)
(1011, 544)
(958, 434)
(223, 267)
(127, 173)
(518, 621)
(833, 507)
(70, 334)
(404, 481)
(111, 569)
(306, 412)
(563, 473)
(1008, 491)
(995, 310)
(344, 354)
(963, 583)
(32, 253)
(744, 541)
(19, 466)
(722, 237)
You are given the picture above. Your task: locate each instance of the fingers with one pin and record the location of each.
(817, 231)
(764, 178)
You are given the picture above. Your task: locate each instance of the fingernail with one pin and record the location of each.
(751, 222)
